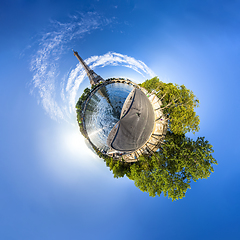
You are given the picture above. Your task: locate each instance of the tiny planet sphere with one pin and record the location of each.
(118, 118)
(114, 121)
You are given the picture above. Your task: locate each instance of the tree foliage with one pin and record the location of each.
(82, 99)
(118, 168)
(79, 106)
(171, 170)
(178, 105)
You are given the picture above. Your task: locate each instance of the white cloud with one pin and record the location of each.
(58, 95)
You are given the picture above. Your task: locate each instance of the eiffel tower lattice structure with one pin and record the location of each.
(93, 77)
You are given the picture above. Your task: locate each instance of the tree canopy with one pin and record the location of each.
(171, 170)
(78, 107)
(178, 105)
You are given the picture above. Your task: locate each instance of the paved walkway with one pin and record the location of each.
(158, 133)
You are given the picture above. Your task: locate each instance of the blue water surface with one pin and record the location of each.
(103, 112)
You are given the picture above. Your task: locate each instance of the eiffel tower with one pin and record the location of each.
(93, 77)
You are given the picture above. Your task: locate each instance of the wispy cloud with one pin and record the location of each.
(58, 94)
(52, 45)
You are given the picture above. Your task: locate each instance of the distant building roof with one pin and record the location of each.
(135, 125)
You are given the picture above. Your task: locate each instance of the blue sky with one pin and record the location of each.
(52, 186)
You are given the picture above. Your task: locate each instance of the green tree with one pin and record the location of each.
(178, 105)
(118, 168)
(78, 107)
(171, 170)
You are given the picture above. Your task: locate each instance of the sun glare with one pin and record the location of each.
(73, 143)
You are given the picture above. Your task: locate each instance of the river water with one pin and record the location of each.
(103, 112)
